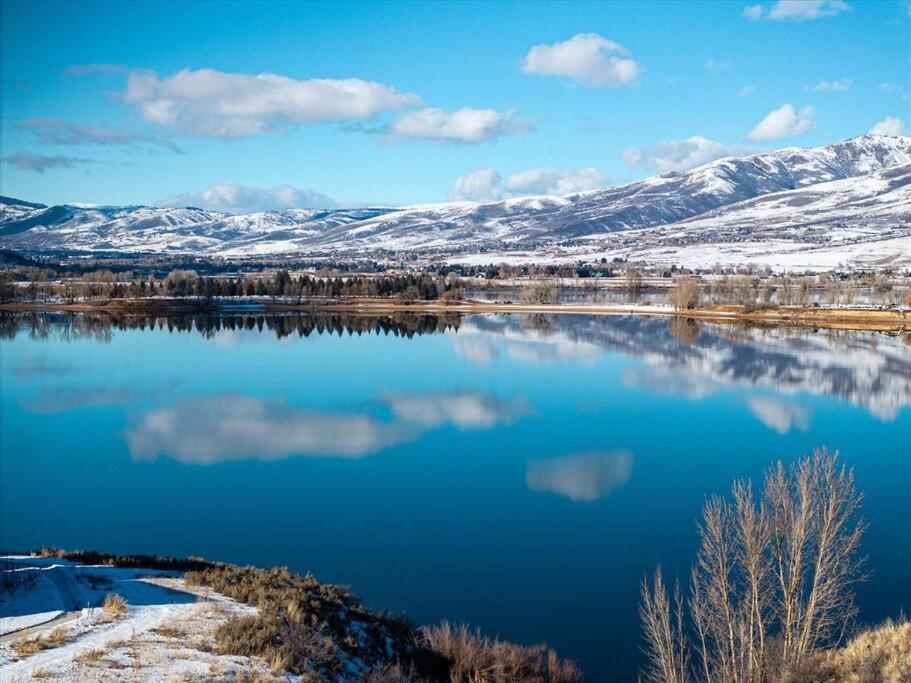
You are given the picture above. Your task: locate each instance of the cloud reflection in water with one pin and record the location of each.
(227, 427)
(584, 477)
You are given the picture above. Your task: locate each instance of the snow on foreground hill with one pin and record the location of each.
(846, 202)
(194, 620)
(53, 626)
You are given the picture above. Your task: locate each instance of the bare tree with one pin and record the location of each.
(663, 621)
(686, 295)
(543, 292)
(773, 579)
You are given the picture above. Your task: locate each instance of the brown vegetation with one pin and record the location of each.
(115, 606)
(686, 295)
(477, 658)
(772, 584)
(305, 626)
(23, 647)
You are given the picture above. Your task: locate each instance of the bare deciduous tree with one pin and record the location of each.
(772, 581)
(686, 295)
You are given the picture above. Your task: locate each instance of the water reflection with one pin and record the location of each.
(680, 357)
(780, 416)
(211, 429)
(583, 477)
(869, 369)
(99, 326)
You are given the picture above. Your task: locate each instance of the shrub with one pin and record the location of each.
(115, 606)
(474, 657)
(686, 295)
(540, 293)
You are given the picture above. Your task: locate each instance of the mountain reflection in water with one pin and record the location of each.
(520, 473)
(681, 356)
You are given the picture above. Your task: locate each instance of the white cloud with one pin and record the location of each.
(843, 84)
(586, 58)
(585, 477)
(209, 103)
(891, 125)
(485, 184)
(753, 12)
(779, 416)
(784, 122)
(234, 198)
(479, 185)
(892, 88)
(747, 90)
(801, 10)
(678, 155)
(713, 64)
(554, 181)
(466, 125)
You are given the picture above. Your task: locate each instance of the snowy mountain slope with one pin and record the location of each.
(853, 192)
(660, 200)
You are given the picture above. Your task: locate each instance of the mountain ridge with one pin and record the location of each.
(606, 219)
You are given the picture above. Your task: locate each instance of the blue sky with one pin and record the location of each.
(243, 106)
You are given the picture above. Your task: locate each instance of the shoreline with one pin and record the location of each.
(886, 320)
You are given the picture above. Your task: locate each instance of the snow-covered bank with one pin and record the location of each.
(167, 631)
(216, 621)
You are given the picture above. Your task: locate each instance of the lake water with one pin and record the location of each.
(519, 473)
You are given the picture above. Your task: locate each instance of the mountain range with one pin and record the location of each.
(846, 203)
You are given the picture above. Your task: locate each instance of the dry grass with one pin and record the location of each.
(24, 646)
(881, 654)
(115, 606)
(169, 630)
(41, 672)
(90, 658)
(474, 657)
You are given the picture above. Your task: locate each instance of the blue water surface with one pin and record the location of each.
(518, 473)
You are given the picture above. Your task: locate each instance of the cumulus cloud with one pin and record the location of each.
(59, 132)
(479, 185)
(802, 10)
(210, 103)
(891, 125)
(469, 126)
(485, 184)
(239, 199)
(554, 181)
(678, 155)
(780, 416)
(39, 163)
(465, 410)
(587, 58)
(584, 477)
(753, 12)
(747, 90)
(839, 85)
(784, 122)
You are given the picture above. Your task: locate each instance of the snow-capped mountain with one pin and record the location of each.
(797, 200)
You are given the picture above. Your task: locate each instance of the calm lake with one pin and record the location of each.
(518, 473)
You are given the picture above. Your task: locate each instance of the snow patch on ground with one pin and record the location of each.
(167, 632)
